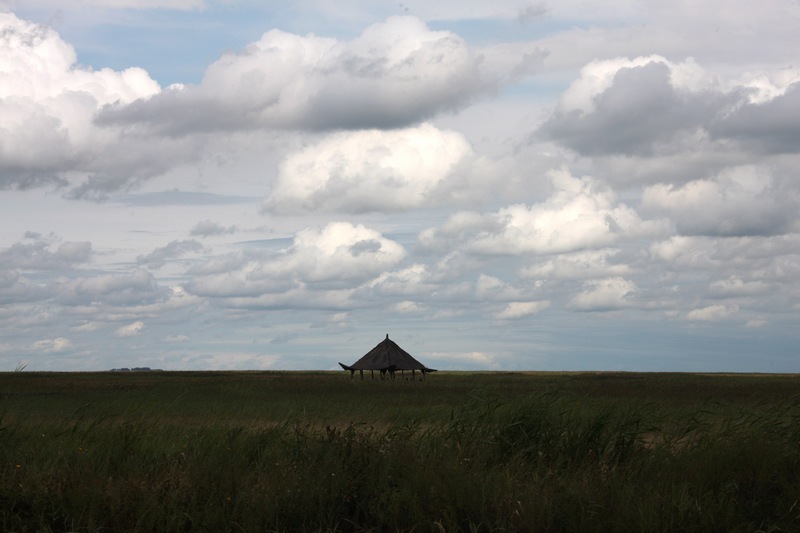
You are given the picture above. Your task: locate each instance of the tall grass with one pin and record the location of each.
(539, 461)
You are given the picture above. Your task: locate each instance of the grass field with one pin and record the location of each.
(315, 451)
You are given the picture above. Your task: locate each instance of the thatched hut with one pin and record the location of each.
(387, 356)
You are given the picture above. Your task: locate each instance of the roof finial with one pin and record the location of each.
(387, 336)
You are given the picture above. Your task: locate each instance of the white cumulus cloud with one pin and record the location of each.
(395, 73)
(52, 345)
(337, 254)
(369, 170)
(338, 251)
(581, 214)
(130, 330)
(740, 201)
(516, 310)
(585, 264)
(605, 295)
(713, 313)
(48, 104)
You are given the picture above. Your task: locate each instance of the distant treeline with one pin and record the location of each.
(136, 369)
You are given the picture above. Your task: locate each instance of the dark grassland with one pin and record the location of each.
(297, 451)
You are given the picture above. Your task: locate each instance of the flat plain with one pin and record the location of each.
(460, 451)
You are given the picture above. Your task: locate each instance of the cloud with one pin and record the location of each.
(586, 264)
(581, 214)
(370, 170)
(149, 4)
(16, 289)
(605, 295)
(234, 276)
(771, 125)
(47, 107)
(712, 313)
(174, 249)
(209, 228)
(473, 359)
(338, 251)
(86, 327)
(299, 297)
(585, 95)
(179, 198)
(531, 11)
(735, 286)
(650, 106)
(403, 173)
(740, 201)
(407, 306)
(516, 310)
(494, 289)
(395, 73)
(76, 5)
(131, 330)
(138, 287)
(755, 274)
(337, 255)
(632, 107)
(36, 255)
(232, 361)
(773, 259)
(58, 344)
(687, 252)
(412, 280)
(96, 132)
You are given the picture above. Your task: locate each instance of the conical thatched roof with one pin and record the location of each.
(387, 356)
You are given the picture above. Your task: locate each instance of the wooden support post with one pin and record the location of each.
(362, 375)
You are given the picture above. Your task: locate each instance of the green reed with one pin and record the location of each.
(556, 454)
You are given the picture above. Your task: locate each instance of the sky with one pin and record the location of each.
(507, 185)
